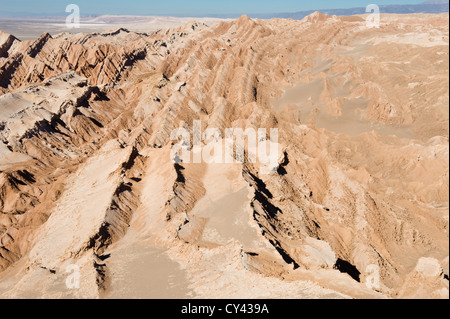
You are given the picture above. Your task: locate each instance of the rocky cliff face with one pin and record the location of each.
(360, 194)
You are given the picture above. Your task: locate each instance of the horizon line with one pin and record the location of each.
(9, 14)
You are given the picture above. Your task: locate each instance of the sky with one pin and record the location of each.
(181, 7)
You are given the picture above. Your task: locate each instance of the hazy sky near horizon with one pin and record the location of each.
(182, 7)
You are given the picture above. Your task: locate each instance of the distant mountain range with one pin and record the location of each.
(429, 6)
(436, 2)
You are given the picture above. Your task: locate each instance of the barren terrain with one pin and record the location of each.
(356, 208)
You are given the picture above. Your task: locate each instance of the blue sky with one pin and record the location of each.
(182, 7)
